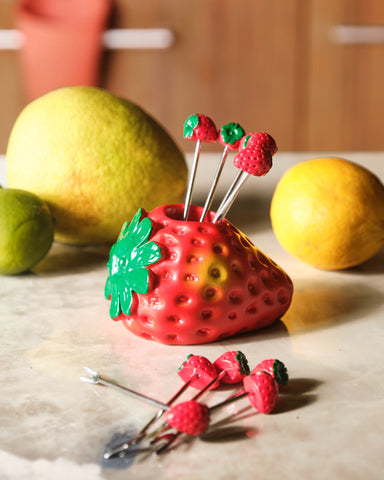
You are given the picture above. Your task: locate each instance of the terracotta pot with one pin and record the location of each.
(63, 42)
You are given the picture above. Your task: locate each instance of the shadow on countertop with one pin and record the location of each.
(68, 259)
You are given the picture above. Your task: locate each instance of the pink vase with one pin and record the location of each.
(63, 42)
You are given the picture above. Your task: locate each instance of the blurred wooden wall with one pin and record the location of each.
(267, 64)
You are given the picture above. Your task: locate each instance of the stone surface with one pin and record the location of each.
(328, 422)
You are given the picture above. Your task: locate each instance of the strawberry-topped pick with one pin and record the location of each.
(198, 128)
(229, 136)
(259, 139)
(235, 366)
(190, 417)
(262, 391)
(199, 371)
(253, 160)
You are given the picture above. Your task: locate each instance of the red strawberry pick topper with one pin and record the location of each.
(200, 127)
(183, 274)
(260, 139)
(189, 417)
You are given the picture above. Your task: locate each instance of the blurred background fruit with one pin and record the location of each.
(95, 158)
(329, 212)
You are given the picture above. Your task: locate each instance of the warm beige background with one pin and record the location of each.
(267, 64)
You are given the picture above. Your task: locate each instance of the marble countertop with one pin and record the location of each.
(329, 419)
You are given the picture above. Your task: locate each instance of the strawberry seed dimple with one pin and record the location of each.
(252, 289)
(209, 292)
(236, 269)
(232, 316)
(214, 272)
(174, 319)
(267, 298)
(179, 230)
(182, 299)
(198, 242)
(171, 337)
(193, 259)
(206, 314)
(191, 277)
(166, 275)
(252, 260)
(146, 321)
(235, 297)
(236, 246)
(146, 336)
(251, 309)
(282, 296)
(218, 249)
(203, 332)
(265, 278)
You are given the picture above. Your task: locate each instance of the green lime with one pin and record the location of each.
(26, 230)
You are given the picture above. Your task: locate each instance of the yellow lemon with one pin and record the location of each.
(95, 158)
(26, 228)
(329, 212)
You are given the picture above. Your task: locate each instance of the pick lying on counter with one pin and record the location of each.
(191, 278)
(192, 417)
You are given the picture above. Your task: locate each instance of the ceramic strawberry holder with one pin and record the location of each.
(177, 279)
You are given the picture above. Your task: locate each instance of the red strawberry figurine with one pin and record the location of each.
(275, 368)
(262, 391)
(260, 139)
(190, 282)
(235, 366)
(189, 417)
(200, 369)
(253, 160)
(200, 127)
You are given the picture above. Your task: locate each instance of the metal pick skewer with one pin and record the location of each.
(191, 182)
(141, 434)
(230, 197)
(97, 378)
(212, 191)
(229, 191)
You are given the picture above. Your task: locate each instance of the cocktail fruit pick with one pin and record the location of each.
(198, 128)
(199, 370)
(188, 279)
(191, 417)
(254, 159)
(235, 366)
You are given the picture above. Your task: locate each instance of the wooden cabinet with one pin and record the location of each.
(268, 64)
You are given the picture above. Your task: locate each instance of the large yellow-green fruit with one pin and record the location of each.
(95, 159)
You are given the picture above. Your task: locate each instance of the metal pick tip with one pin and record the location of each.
(87, 379)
